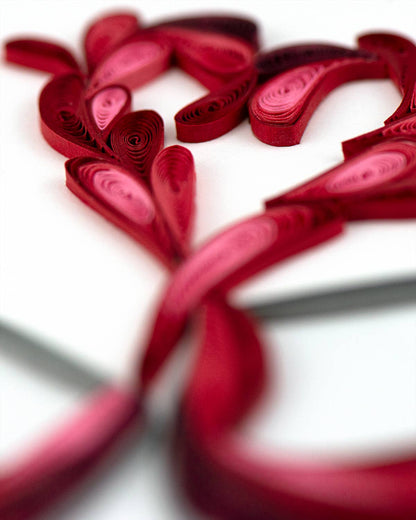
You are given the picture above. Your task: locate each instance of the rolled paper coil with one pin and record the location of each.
(281, 108)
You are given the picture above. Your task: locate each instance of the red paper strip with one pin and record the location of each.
(213, 59)
(122, 198)
(282, 107)
(218, 112)
(400, 55)
(276, 61)
(69, 455)
(173, 184)
(106, 34)
(230, 257)
(380, 183)
(137, 61)
(136, 139)
(228, 482)
(236, 27)
(41, 55)
(62, 114)
(404, 128)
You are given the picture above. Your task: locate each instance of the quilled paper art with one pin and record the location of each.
(119, 166)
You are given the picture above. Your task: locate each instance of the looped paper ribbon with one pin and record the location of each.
(281, 108)
(120, 170)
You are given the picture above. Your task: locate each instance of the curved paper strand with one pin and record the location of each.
(213, 59)
(276, 61)
(218, 112)
(136, 139)
(41, 55)
(400, 56)
(62, 117)
(234, 26)
(281, 108)
(230, 257)
(380, 183)
(173, 184)
(69, 455)
(107, 33)
(137, 61)
(123, 199)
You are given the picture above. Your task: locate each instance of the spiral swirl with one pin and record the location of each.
(136, 139)
(218, 112)
(173, 185)
(105, 34)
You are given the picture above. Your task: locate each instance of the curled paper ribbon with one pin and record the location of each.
(41, 55)
(230, 257)
(400, 56)
(123, 199)
(136, 139)
(379, 183)
(218, 112)
(172, 180)
(137, 61)
(281, 108)
(276, 61)
(213, 59)
(238, 27)
(69, 455)
(106, 34)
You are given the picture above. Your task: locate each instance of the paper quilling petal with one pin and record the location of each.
(172, 180)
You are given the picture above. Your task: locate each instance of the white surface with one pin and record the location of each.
(70, 277)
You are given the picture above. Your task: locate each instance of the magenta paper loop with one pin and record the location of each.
(400, 56)
(107, 33)
(379, 183)
(172, 180)
(281, 59)
(281, 108)
(41, 55)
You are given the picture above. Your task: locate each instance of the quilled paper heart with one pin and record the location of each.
(400, 55)
(380, 183)
(45, 56)
(172, 180)
(123, 199)
(281, 108)
(137, 138)
(106, 34)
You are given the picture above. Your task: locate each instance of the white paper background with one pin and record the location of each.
(70, 277)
